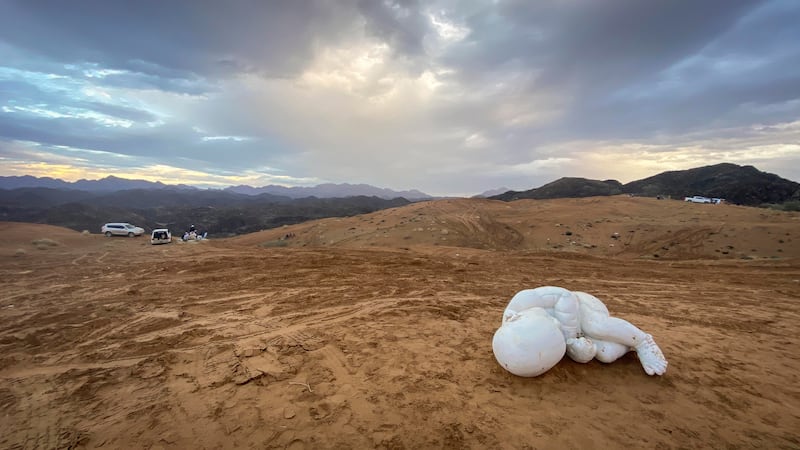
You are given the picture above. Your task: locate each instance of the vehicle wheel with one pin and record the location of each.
(130, 234)
(108, 234)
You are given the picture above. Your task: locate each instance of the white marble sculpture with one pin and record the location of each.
(541, 325)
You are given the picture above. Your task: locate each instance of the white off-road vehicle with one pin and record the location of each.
(160, 236)
(697, 199)
(121, 229)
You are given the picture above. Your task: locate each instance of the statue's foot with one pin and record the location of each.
(651, 357)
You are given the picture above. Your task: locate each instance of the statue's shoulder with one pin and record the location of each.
(544, 290)
(589, 300)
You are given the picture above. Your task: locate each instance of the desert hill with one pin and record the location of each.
(744, 185)
(621, 226)
(567, 187)
(24, 236)
(375, 331)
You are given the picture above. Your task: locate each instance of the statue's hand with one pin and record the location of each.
(581, 349)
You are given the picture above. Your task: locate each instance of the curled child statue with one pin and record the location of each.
(541, 325)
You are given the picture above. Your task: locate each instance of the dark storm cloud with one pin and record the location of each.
(520, 77)
(604, 44)
(617, 60)
(590, 48)
(400, 23)
(175, 39)
(593, 43)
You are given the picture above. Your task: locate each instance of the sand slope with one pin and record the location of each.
(347, 339)
(618, 226)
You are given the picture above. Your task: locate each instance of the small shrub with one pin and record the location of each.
(20, 252)
(44, 243)
(273, 244)
(790, 205)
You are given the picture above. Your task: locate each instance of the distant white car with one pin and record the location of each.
(121, 229)
(698, 199)
(160, 236)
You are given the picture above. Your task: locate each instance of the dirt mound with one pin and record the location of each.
(455, 223)
(619, 226)
(362, 341)
(15, 232)
(20, 238)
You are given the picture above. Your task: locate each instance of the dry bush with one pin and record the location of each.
(272, 244)
(20, 252)
(44, 243)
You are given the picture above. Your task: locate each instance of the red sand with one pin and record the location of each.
(375, 331)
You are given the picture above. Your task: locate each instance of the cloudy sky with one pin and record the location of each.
(449, 97)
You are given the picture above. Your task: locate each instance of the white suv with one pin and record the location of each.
(121, 229)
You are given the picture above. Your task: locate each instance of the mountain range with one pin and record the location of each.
(113, 184)
(329, 190)
(107, 184)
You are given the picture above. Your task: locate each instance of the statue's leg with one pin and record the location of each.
(608, 352)
(599, 325)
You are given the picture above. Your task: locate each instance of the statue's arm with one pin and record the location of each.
(567, 310)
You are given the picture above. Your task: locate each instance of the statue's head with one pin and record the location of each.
(529, 343)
